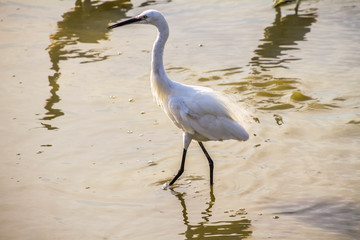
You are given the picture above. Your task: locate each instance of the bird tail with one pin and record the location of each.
(239, 132)
(242, 119)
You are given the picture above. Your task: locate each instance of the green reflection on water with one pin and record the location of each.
(277, 50)
(85, 23)
(54, 98)
(280, 38)
(207, 229)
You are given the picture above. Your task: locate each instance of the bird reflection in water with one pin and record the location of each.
(206, 229)
(277, 49)
(281, 38)
(85, 23)
(278, 3)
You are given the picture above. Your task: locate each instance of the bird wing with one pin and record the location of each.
(180, 114)
(202, 113)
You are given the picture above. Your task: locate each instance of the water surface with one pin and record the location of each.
(85, 150)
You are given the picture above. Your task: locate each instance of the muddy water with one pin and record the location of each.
(84, 149)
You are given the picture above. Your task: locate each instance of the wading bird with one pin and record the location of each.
(201, 113)
(278, 3)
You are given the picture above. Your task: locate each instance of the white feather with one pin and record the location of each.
(201, 113)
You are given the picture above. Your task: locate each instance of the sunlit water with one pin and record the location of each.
(85, 150)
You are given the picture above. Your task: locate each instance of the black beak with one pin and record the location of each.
(126, 22)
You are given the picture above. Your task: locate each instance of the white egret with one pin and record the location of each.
(201, 113)
(278, 3)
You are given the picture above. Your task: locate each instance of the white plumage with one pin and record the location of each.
(201, 113)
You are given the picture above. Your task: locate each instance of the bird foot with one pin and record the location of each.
(165, 186)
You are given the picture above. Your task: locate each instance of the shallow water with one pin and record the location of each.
(85, 150)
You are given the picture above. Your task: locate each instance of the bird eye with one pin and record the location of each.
(145, 17)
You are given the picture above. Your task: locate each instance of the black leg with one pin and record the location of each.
(211, 163)
(181, 170)
(297, 6)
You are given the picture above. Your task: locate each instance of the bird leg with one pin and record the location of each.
(181, 170)
(211, 163)
(297, 6)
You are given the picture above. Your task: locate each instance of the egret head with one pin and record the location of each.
(147, 17)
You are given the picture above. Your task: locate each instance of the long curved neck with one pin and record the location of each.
(160, 83)
(158, 50)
